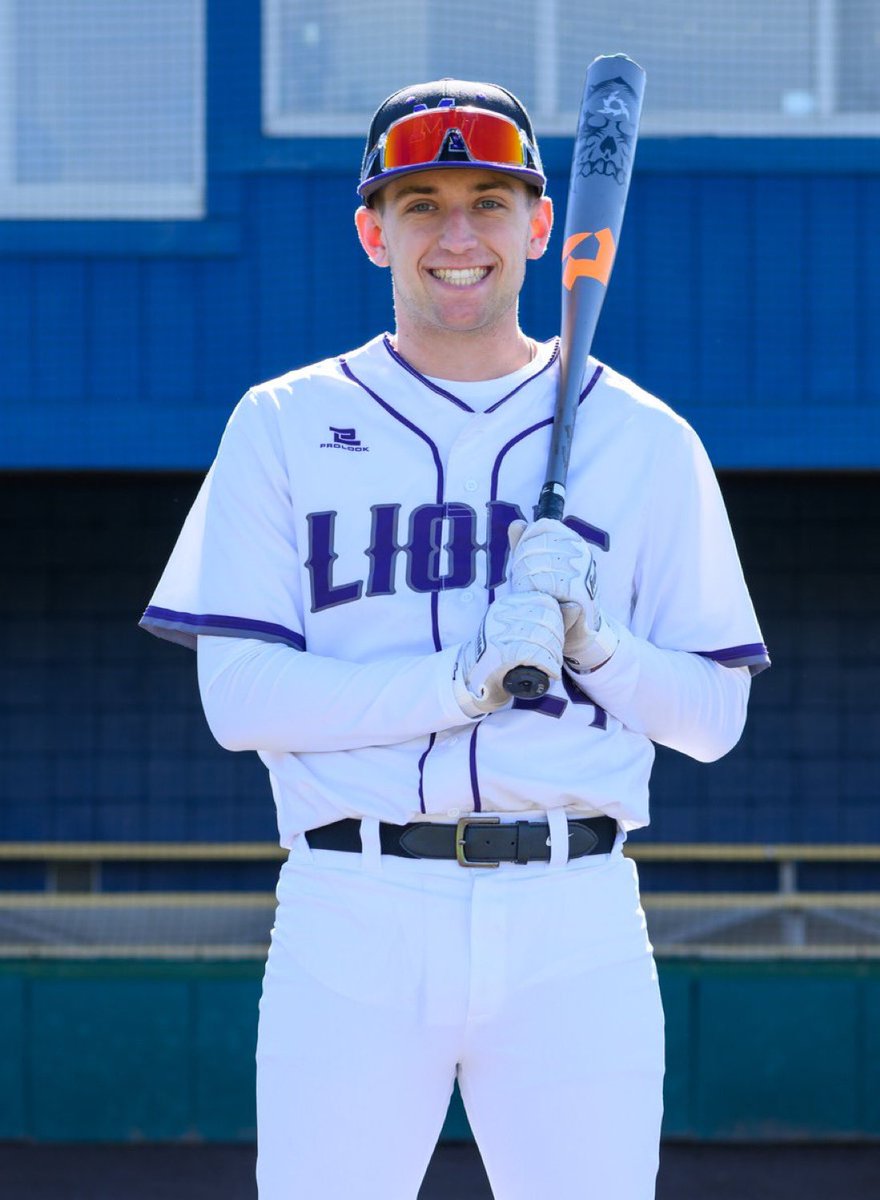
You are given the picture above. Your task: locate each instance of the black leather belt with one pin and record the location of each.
(475, 841)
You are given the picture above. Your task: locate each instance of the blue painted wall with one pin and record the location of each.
(746, 293)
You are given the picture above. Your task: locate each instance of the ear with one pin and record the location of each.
(370, 235)
(540, 226)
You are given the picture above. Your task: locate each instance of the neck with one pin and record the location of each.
(465, 357)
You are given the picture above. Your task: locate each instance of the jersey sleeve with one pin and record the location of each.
(234, 571)
(690, 592)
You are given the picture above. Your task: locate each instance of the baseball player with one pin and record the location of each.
(358, 573)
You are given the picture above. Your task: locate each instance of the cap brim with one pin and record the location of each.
(370, 186)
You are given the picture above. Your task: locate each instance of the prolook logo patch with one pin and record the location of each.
(343, 439)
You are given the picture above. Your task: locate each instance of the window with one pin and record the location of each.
(750, 68)
(101, 108)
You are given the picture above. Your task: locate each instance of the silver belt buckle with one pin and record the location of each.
(460, 829)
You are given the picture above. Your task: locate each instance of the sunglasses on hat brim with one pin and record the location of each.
(420, 138)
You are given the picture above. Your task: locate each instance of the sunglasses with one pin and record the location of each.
(420, 138)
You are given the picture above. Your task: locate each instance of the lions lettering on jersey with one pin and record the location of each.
(436, 533)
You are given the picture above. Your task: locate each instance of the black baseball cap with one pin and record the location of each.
(444, 95)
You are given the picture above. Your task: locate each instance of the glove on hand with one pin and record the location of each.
(518, 630)
(548, 557)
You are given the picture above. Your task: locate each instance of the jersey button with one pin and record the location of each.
(470, 485)
(466, 597)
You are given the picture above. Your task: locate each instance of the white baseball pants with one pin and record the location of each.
(388, 978)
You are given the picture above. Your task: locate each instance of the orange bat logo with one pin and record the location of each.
(598, 267)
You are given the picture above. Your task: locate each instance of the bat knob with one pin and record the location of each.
(527, 683)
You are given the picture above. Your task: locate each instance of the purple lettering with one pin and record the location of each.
(576, 696)
(383, 550)
(596, 537)
(320, 565)
(428, 537)
(499, 515)
(441, 551)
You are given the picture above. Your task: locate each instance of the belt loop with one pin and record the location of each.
(557, 820)
(300, 850)
(371, 847)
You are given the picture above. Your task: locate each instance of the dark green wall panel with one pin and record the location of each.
(224, 1045)
(456, 1127)
(165, 1051)
(679, 1005)
(109, 1058)
(13, 1121)
(777, 1056)
(870, 1059)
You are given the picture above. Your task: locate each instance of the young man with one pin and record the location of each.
(359, 574)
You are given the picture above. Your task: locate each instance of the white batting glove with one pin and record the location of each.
(548, 557)
(518, 630)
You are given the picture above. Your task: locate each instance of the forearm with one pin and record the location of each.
(266, 696)
(678, 699)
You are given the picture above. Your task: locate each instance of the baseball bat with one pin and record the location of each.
(601, 169)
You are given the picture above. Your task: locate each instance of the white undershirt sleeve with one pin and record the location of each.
(267, 696)
(678, 699)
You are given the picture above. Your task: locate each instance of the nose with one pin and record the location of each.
(457, 235)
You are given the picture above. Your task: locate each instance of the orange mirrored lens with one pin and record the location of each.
(419, 138)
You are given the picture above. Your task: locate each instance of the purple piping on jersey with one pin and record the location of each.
(401, 361)
(435, 620)
(166, 618)
(553, 706)
(546, 367)
(496, 469)
(349, 373)
(430, 746)
(475, 782)
(754, 656)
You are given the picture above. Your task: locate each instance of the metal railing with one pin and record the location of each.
(73, 916)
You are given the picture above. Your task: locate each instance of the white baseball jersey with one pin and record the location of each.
(358, 511)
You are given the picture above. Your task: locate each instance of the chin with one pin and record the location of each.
(464, 316)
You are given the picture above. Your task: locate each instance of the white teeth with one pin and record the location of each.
(461, 276)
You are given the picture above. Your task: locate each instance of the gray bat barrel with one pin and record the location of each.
(601, 169)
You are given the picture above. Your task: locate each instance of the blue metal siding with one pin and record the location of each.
(746, 292)
(833, 333)
(780, 278)
(746, 301)
(114, 346)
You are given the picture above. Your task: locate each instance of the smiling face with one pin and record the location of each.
(457, 242)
